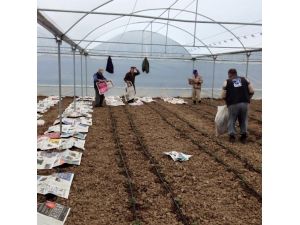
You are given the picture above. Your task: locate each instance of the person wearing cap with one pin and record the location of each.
(98, 77)
(130, 76)
(237, 92)
(196, 81)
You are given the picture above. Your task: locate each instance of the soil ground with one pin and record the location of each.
(207, 191)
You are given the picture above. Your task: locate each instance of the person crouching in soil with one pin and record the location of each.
(99, 98)
(196, 81)
(237, 92)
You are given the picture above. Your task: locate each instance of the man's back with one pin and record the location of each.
(237, 91)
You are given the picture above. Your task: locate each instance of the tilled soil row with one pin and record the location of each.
(222, 146)
(50, 116)
(123, 164)
(253, 115)
(98, 193)
(207, 193)
(209, 113)
(249, 179)
(254, 107)
(251, 152)
(150, 196)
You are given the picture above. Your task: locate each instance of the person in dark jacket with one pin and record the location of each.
(237, 92)
(130, 76)
(98, 77)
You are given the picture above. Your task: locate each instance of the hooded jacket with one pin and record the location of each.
(109, 65)
(145, 65)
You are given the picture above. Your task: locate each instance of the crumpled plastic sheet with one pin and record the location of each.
(178, 156)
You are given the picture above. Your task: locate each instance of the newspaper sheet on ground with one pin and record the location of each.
(52, 216)
(146, 99)
(75, 121)
(174, 100)
(79, 128)
(48, 160)
(58, 184)
(178, 156)
(45, 143)
(113, 101)
(40, 122)
(136, 103)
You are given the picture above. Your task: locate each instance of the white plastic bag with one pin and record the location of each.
(130, 92)
(221, 120)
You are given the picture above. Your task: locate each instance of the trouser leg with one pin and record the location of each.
(233, 114)
(102, 97)
(243, 118)
(194, 94)
(198, 91)
(97, 97)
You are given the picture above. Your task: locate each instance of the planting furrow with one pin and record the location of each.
(206, 192)
(149, 194)
(250, 153)
(123, 164)
(155, 168)
(231, 163)
(255, 134)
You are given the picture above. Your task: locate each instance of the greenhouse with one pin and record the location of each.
(154, 151)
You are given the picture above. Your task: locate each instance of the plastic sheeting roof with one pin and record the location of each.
(221, 26)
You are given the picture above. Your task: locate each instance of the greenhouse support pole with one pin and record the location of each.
(166, 42)
(193, 59)
(151, 38)
(247, 65)
(213, 77)
(195, 27)
(74, 73)
(85, 74)
(58, 40)
(81, 74)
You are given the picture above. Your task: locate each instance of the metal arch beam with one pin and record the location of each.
(81, 18)
(159, 33)
(44, 22)
(149, 17)
(182, 10)
(145, 10)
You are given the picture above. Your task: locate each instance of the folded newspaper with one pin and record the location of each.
(52, 216)
(75, 121)
(48, 160)
(178, 156)
(58, 184)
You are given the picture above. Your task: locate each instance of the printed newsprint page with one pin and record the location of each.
(51, 216)
(58, 184)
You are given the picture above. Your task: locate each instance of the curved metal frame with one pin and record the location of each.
(81, 18)
(156, 33)
(146, 10)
